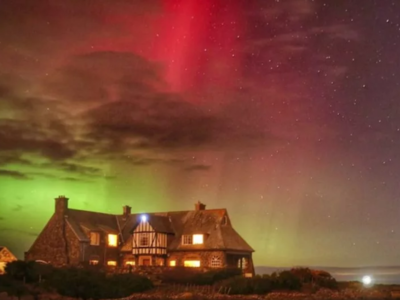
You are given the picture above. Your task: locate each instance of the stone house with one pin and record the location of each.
(6, 256)
(199, 238)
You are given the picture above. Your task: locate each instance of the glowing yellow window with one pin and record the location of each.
(112, 240)
(191, 263)
(111, 263)
(93, 262)
(130, 263)
(197, 239)
(172, 263)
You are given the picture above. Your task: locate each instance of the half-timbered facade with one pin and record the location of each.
(199, 238)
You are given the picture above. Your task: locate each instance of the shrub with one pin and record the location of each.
(87, 283)
(181, 275)
(27, 272)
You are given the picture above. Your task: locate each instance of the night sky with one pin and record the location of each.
(285, 112)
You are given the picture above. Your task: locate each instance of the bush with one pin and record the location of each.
(181, 275)
(12, 288)
(28, 272)
(87, 283)
(263, 284)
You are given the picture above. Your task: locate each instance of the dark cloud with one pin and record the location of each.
(17, 208)
(103, 76)
(13, 174)
(74, 168)
(19, 231)
(197, 167)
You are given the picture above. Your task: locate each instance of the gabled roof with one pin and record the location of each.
(81, 220)
(208, 222)
(7, 253)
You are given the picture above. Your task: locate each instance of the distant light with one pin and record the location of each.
(367, 280)
(144, 218)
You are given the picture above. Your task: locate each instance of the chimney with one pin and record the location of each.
(199, 206)
(126, 210)
(61, 205)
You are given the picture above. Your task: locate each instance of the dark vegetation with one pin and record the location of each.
(84, 283)
(94, 283)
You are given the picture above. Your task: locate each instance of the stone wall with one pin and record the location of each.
(56, 244)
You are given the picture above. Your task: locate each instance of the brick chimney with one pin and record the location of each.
(126, 210)
(199, 206)
(61, 205)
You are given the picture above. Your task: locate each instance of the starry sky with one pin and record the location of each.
(284, 112)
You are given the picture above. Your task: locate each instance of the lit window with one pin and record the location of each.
(112, 240)
(111, 263)
(130, 263)
(172, 263)
(93, 262)
(191, 263)
(187, 239)
(216, 262)
(94, 238)
(144, 240)
(197, 239)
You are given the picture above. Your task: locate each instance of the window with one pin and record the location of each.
(225, 220)
(187, 239)
(144, 240)
(111, 263)
(191, 263)
(216, 262)
(130, 263)
(172, 263)
(94, 238)
(93, 262)
(242, 263)
(112, 240)
(197, 239)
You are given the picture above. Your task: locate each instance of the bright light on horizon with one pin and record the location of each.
(367, 280)
(144, 218)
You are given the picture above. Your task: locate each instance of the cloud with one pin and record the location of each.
(17, 208)
(13, 174)
(197, 167)
(19, 231)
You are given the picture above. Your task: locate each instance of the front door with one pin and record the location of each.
(145, 261)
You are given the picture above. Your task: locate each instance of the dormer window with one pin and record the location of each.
(225, 220)
(195, 239)
(94, 238)
(198, 239)
(187, 239)
(112, 240)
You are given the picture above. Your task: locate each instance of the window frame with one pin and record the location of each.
(144, 236)
(97, 235)
(109, 240)
(187, 239)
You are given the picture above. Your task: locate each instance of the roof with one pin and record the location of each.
(7, 254)
(81, 221)
(209, 222)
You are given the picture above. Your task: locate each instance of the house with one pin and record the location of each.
(5, 257)
(199, 238)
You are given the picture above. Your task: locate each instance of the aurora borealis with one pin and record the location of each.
(285, 112)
